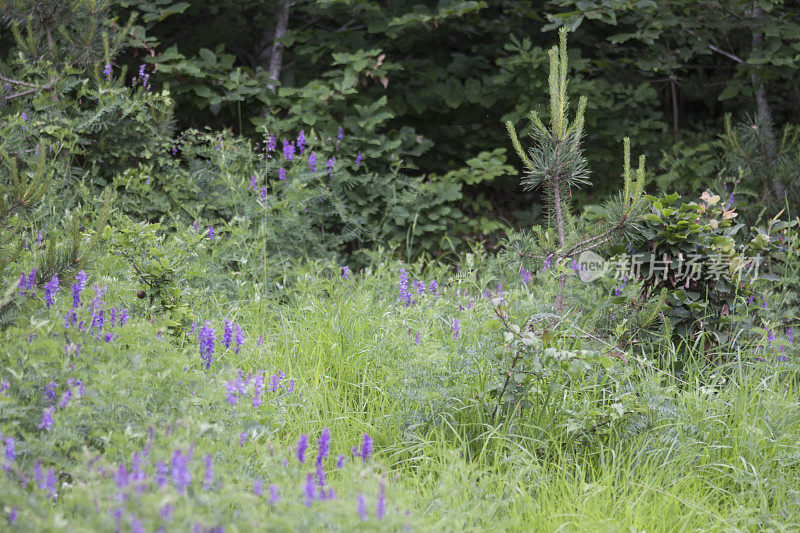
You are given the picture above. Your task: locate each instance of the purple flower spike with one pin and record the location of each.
(274, 495)
(208, 481)
(282, 173)
(456, 327)
(47, 419)
(324, 445)
(310, 489)
(50, 290)
(312, 161)
(302, 446)
(380, 505)
(366, 447)
(362, 507)
(206, 340)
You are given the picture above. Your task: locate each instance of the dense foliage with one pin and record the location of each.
(271, 265)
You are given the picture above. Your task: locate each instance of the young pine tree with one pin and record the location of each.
(556, 162)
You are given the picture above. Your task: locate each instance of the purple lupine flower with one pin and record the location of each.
(121, 477)
(402, 287)
(346, 272)
(39, 239)
(238, 337)
(196, 224)
(150, 437)
(366, 447)
(362, 507)
(211, 233)
(264, 193)
(302, 446)
(208, 481)
(321, 477)
(258, 389)
(98, 320)
(47, 419)
(260, 340)
(419, 286)
(12, 516)
(575, 267)
(206, 340)
(50, 482)
(789, 333)
(50, 391)
(340, 461)
(301, 141)
(231, 395)
(65, 398)
(37, 474)
(323, 445)
(330, 165)
(136, 525)
(274, 495)
(546, 265)
(310, 490)
(380, 505)
(270, 144)
(108, 71)
(434, 287)
(11, 453)
(181, 476)
(258, 488)
(288, 150)
(770, 337)
(50, 290)
(227, 334)
(161, 473)
(339, 137)
(252, 185)
(358, 159)
(274, 382)
(77, 288)
(456, 327)
(281, 173)
(4, 384)
(290, 388)
(32, 279)
(112, 316)
(123, 316)
(242, 439)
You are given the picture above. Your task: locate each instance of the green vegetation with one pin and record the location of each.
(298, 285)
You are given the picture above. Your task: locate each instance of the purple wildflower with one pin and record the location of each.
(274, 495)
(258, 389)
(65, 398)
(362, 507)
(288, 150)
(281, 173)
(434, 287)
(123, 316)
(211, 232)
(181, 476)
(108, 71)
(366, 447)
(358, 159)
(11, 453)
(206, 341)
(258, 488)
(161, 473)
(330, 165)
(242, 439)
(340, 461)
(456, 327)
(50, 290)
(416, 338)
(227, 334)
(270, 144)
(419, 286)
(339, 137)
(346, 272)
(301, 141)
(47, 419)
(50, 482)
(208, 481)
(264, 193)
(121, 477)
(789, 333)
(323, 445)
(302, 446)
(310, 490)
(12, 516)
(405, 295)
(546, 265)
(4, 384)
(238, 337)
(380, 505)
(136, 525)
(575, 267)
(50, 391)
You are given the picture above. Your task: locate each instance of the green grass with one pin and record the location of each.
(717, 450)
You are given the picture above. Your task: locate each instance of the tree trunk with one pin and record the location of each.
(562, 280)
(276, 58)
(764, 115)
